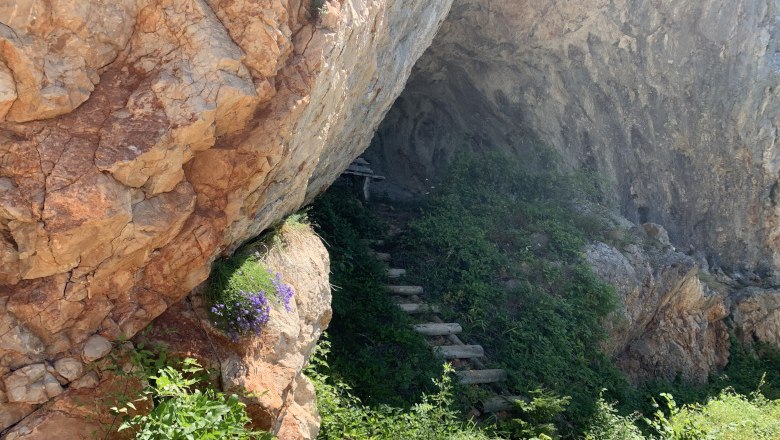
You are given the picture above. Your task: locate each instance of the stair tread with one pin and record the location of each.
(438, 329)
(459, 351)
(413, 308)
(395, 273)
(468, 377)
(404, 290)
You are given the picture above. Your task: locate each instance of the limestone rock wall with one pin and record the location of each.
(676, 103)
(140, 139)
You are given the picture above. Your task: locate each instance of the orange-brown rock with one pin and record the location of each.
(266, 369)
(668, 323)
(141, 139)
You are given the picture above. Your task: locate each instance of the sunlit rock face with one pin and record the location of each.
(675, 103)
(140, 139)
(265, 369)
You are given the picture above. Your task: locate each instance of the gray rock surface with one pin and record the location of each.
(95, 348)
(676, 103)
(668, 322)
(31, 384)
(756, 315)
(69, 368)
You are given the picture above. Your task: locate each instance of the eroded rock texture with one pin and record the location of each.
(668, 323)
(756, 315)
(139, 139)
(268, 365)
(676, 103)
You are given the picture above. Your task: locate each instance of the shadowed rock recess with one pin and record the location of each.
(675, 103)
(140, 139)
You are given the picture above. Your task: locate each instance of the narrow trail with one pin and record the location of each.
(446, 339)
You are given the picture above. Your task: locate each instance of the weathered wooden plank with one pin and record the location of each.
(382, 256)
(456, 340)
(469, 377)
(413, 309)
(438, 329)
(395, 273)
(459, 351)
(496, 404)
(405, 290)
(361, 161)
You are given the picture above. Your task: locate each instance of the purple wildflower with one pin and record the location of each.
(283, 291)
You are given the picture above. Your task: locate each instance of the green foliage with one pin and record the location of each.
(317, 7)
(183, 410)
(237, 294)
(536, 420)
(374, 347)
(501, 248)
(608, 424)
(344, 416)
(748, 366)
(242, 272)
(729, 416)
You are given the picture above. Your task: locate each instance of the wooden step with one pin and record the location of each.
(459, 352)
(396, 273)
(496, 404)
(413, 309)
(405, 290)
(469, 377)
(381, 256)
(438, 329)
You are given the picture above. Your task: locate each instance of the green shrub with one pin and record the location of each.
(374, 348)
(240, 294)
(182, 409)
(344, 416)
(608, 424)
(317, 8)
(729, 416)
(537, 416)
(500, 247)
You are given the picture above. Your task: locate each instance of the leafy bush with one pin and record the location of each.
(344, 416)
(374, 348)
(730, 416)
(608, 424)
(317, 7)
(500, 247)
(536, 416)
(183, 410)
(238, 294)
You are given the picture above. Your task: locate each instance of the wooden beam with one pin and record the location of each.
(496, 404)
(413, 309)
(381, 256)
(470, 377)
(395, 273)
(438, 329)
(405, 290)
(459, 351)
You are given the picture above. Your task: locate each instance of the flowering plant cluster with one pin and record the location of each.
(241, 304)
(248, 313)
(283, 291)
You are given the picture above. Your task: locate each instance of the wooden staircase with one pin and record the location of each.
(469, 359)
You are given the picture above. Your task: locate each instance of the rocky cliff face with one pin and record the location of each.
(676, 103)
(268, 366)
(668, 323)
(139, 139)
